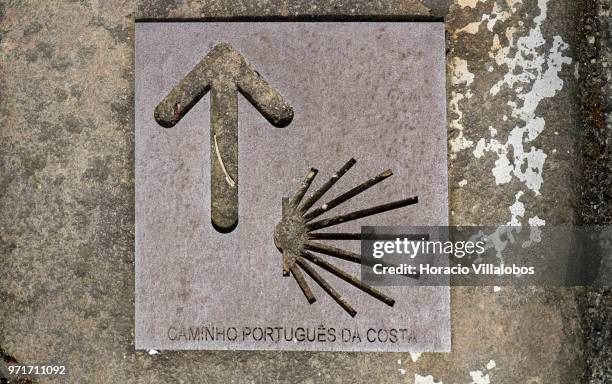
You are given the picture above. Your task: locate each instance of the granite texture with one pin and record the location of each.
(595, 55)
(67, 192)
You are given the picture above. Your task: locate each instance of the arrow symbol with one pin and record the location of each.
(224, 72)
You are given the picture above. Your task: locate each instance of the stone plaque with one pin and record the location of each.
(230, 119)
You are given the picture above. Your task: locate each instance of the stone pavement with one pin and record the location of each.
(67, 190)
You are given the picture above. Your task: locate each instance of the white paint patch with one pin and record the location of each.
(517, 211)
(459, 143)
(536, 221)
(479, 378)
(418, 379)
(502, 170)
(535, 234)
(461, 73)
(528, 65)
(532, 74)
(469, 3)
(577, 71)
(460, 76)
(498, 240)
(501, 12)
(471, 28)
(463, 183)
(415, 356)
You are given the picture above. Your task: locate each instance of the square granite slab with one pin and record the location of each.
(371, 91)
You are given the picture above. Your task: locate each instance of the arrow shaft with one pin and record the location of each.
(224, 154)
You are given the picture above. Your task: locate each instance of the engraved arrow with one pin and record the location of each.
(224, 72)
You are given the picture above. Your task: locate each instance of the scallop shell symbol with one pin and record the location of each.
(296, 239)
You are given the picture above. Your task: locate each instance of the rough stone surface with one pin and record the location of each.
(400, 9)
(595, 56)
(66, 187)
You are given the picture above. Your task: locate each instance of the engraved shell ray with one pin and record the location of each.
(299, 245)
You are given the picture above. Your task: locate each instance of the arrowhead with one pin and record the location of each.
(223, 65)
